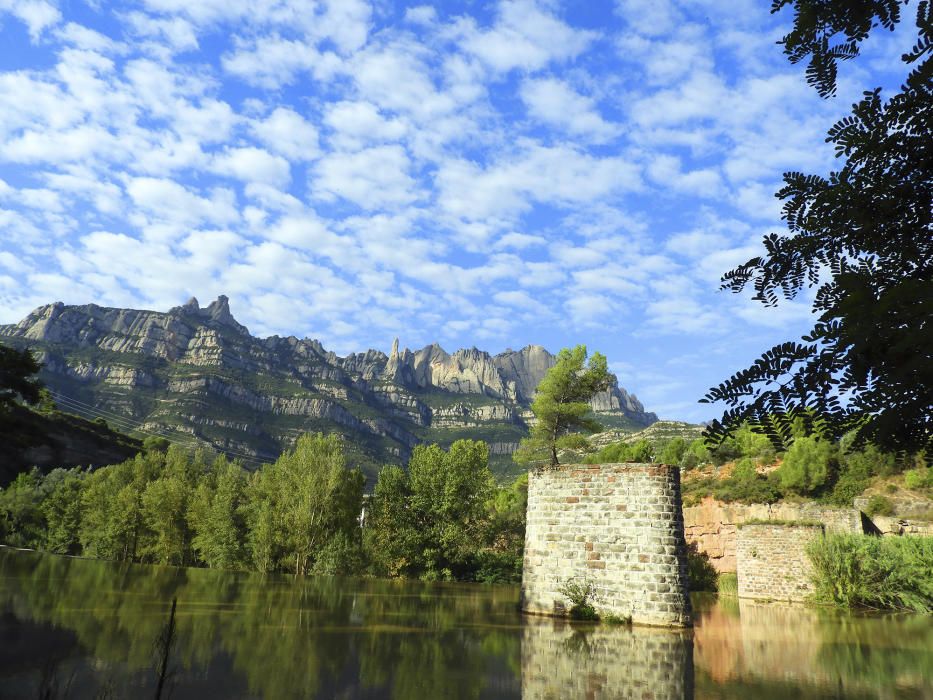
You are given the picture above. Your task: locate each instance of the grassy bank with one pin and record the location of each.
(881, 573)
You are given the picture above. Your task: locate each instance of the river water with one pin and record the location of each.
(84, 629)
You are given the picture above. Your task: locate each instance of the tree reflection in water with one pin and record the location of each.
(92, 625)
(274, 636)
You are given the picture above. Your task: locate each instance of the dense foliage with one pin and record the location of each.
(883, 573)
(863, 236)
(834, 472)
(181, 508)
(444, 518)
(562, 405)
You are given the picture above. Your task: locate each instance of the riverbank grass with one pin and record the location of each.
(880, 573)
(727, 584)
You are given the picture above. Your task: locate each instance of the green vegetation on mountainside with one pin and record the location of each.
(746, 468)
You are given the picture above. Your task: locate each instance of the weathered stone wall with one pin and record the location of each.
(616, 526)
(772, 561)
(562, 662)
(712, 524)
(894, 526)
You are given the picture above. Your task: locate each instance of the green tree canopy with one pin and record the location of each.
(863, 236)
(562, 404)
(17, 376)
(808, 465)
(431, 521)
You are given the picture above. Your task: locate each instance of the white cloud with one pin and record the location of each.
(87, 39)
(535, 173)
(252, 164)
(666, 171)
(167, 200)
(555, 102)
(37, 15)
(175, 33)
(650, 17)
(396, 77)
(289, 134)
(358, 123)
(519, 241)
(422, 14)
(525, 36)
(372, 178)
(272, 62)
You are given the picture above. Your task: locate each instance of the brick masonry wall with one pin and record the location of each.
(561, 661)
(616, 526)
(712, 525)
(772, 561)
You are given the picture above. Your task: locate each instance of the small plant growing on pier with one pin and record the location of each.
(613, 619)
(579, 593)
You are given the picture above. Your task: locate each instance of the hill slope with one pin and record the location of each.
(198, 376)
(57, 440)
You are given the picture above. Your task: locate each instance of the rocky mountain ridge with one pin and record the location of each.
(196, 374)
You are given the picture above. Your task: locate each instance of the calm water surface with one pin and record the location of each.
(89, 629)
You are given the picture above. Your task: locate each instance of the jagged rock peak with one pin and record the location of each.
(219, 310)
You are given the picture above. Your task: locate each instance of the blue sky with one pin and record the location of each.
(473, 173)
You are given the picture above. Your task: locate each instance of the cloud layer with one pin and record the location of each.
(354, 171)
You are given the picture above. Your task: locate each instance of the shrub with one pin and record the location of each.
(807, 465)
(879, 505)
(882, 573)
(341, 556)
(696, 453)
(919, 478)
(752, 444)
(873, 460)
(744, 470)
(759, 489)
(701, 576)
(674, 451)
(498, 567)
(642, 451)
(579, 592)
(726, 451)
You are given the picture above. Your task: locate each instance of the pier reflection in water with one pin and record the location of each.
(560, 660)
(243, 635)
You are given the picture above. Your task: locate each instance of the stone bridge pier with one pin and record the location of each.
(617, 527)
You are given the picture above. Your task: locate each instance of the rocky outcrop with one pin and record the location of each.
(198, 372)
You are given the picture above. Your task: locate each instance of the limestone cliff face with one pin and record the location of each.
(197, 372)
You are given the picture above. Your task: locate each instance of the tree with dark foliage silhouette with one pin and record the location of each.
(863, 236)
(17, 376)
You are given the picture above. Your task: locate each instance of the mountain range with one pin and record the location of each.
(196, 376)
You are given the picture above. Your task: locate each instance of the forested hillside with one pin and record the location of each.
(199, 378)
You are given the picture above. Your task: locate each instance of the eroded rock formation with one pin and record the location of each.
(197, 372)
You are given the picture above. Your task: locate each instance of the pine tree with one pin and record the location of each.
(561, 405)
